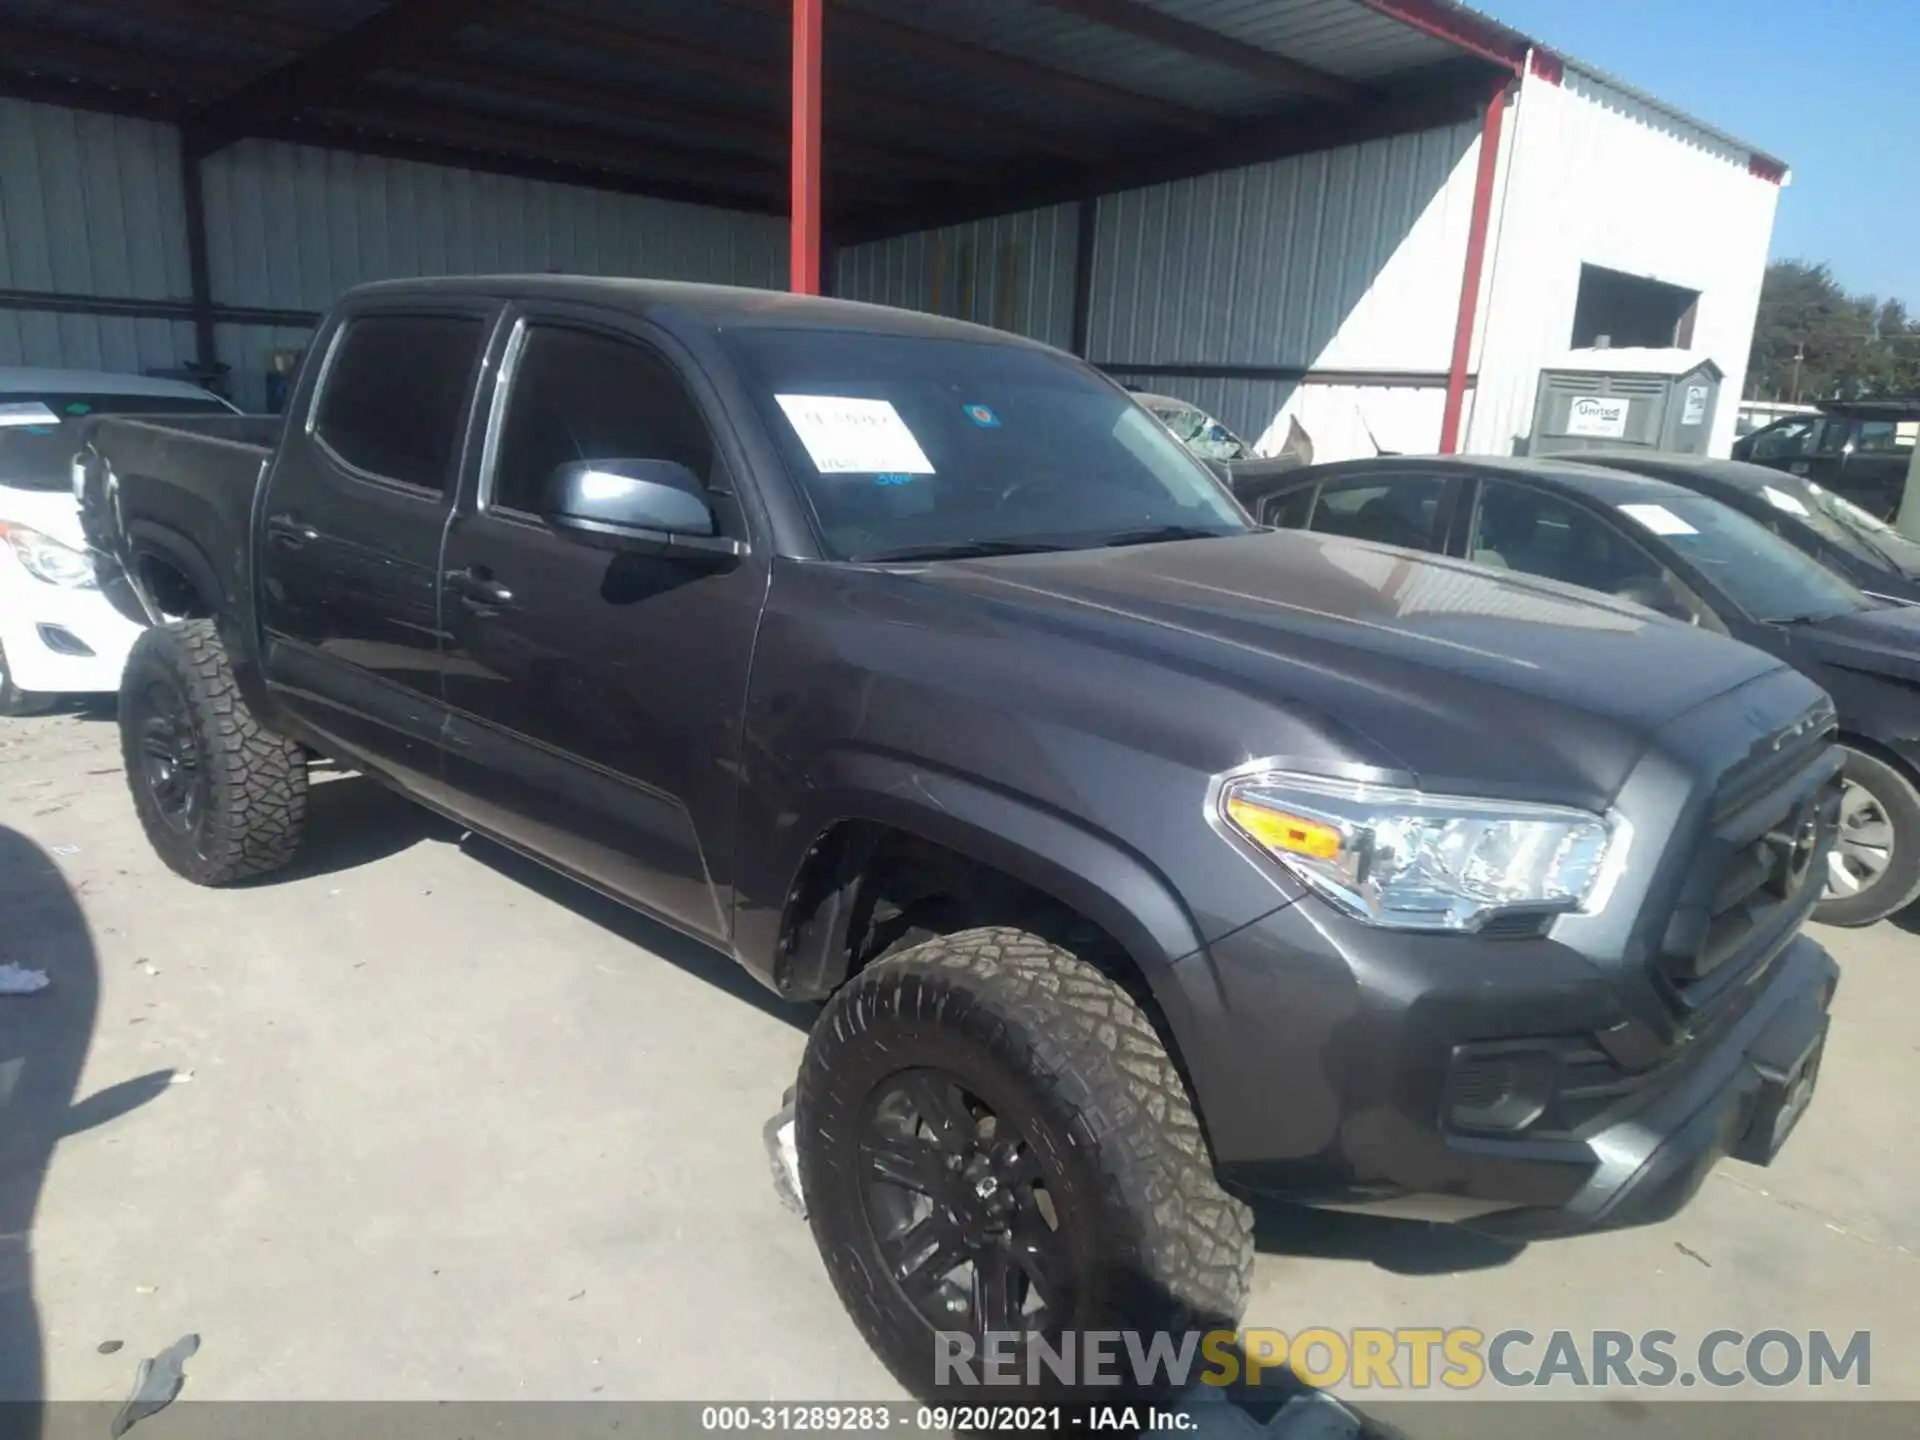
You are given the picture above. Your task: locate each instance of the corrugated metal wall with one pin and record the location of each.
(1325, 261)
(1014, 273)
(92, 205)
(1597, 176)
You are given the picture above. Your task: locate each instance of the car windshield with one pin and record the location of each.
(1200, 432)
(915, 448)
(1765, 576)
(37, 430)
(1880, 542)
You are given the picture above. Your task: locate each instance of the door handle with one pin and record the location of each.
(290, 533)
(477, 588)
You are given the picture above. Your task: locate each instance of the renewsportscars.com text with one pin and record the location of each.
(1409, 1358)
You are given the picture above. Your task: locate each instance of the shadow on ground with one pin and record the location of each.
(354, 821)
(1403, 1247)
(43, 1045)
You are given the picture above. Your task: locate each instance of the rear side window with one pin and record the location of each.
(1403, 512)
(395, 402)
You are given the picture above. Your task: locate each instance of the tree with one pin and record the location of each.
(1814, 341)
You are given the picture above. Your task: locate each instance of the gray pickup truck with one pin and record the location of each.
(1143, 861)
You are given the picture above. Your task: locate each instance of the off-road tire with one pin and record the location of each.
(1899, 884)
(255, 797)
(1007, 1011)
(16, 703)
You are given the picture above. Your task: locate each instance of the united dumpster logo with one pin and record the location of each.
(1405, 1358)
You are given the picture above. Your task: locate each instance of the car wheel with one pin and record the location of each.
(1874, 869)
(992, 1139)
(16, 702)
(221, 798)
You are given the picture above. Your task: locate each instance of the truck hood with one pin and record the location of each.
(1459, 676)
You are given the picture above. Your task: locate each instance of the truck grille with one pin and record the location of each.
(1775, 816)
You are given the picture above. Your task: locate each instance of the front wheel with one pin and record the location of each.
(994, 1142)
(1875, 866)
(220, 797)
(17, 703)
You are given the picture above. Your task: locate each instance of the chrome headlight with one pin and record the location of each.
(1407, 860)
(45, 558)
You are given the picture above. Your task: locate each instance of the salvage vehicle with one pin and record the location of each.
(1195, 428)
(1142, 860)
(58, 635)
(1686, 555)
(1836, 532)
(1858, 449)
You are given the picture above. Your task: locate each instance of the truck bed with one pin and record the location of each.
(176, 493)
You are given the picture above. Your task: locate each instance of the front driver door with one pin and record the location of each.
(596, 696)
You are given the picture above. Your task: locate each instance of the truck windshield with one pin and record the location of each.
(1767, 577)
(37, 430)
(914, 448)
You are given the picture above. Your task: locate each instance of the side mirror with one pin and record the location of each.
(654, 505)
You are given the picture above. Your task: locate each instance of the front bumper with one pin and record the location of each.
(41, 625)
(1741, 1100)
(1334, 1064)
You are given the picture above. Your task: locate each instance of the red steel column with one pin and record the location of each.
(1477, 229)
(804, 215)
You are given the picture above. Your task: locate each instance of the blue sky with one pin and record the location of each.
(1831, 87)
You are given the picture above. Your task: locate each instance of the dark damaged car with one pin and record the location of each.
(1141, 861)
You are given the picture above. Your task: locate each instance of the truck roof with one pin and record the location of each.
(718, 307)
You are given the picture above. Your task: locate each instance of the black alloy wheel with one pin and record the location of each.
(172, 768)
(956, 1200)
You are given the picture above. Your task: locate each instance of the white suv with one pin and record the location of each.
(58, 634)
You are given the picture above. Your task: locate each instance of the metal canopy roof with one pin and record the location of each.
(936, 110)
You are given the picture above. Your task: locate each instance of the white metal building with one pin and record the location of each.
(1389, 209)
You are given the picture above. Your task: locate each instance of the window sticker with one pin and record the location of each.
(983, 416)
(844, 435)
(1780, 500)
(1658, 519)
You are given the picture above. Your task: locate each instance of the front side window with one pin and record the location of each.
(1404, 512)
(584, 395)
(1519, 528)
(396, 394)
(1785, 441)
(911, 447)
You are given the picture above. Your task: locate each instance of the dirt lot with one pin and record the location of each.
(420, 1121)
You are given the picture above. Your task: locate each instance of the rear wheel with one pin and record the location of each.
(17, 702)
(1875, 866)
(220, 797)
(993, 1141)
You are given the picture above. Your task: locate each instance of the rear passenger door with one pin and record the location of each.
(596, 696)
(355, 510)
